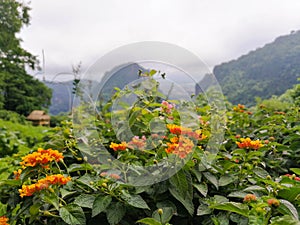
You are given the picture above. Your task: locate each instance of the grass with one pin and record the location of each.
(27, 137)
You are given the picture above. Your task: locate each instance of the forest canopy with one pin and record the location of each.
(19, 91)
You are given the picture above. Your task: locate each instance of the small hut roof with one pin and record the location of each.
(38, 115)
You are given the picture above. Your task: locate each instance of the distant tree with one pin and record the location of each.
(19, 91)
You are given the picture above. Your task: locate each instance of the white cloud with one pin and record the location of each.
(216, 30)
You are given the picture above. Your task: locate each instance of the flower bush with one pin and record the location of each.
(252, 179)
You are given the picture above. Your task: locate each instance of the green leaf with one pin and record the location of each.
(87, 180)
(181, 188)
(100, 204)
(78, 167)
(235, 207)
(52, 199)
(198, 174)
(286, 220)
(260, 172)
(115, 212)
(212, 179)
(34, 209)
(149, 221)
(10, 182)
(254, 188)
(85, 200)
(289, 194)
(296, 170)
(72, 214)
(221, 219)
(226, 179)
(202, 188)
(256, 219)
(65, 193)
(286, 207)
(203, 209)
(237, 194)
(168, 212)
(134, 200)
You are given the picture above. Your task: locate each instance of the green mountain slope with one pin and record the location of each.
(267, 71)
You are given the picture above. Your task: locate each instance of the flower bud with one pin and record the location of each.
(160, 211)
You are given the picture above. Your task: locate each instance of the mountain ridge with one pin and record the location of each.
(266, 71)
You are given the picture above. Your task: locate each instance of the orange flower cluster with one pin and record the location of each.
(180, 146)
(249, 198)
(273, 202)
(178, 130)
(247, 143)
(137, 143)
(3, 220)
(118, 147)
(29, 190)
(41, 157)
(241, 108)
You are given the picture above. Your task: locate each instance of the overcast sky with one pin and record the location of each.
(217, 31)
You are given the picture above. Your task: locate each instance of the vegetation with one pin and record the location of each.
(265, 72)
(252, 179)
(20, 92)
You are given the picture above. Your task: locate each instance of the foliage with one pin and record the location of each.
(17, 139)
(265, 72)
(20, 92)
(252, 179)
(12, 116)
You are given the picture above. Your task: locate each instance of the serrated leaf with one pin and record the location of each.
(149, 221)
(289, 194)
(256, 219)
(72, 214)
(181, 188)
(286, 220)
(65, 193)
(254, 188)
(260, 172)
(202, 188)
(87, 180)
(237, 194)
(78, 167)
(52, 199)
(288, 208)
(134, 200)
(85, 200)
(115, 212)
(100, 204)
(203, 209)
(212, 179)
(168, 212)
(227, 179)
(235, 207)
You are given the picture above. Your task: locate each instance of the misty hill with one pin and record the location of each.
(267, 71)
(62, 96)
